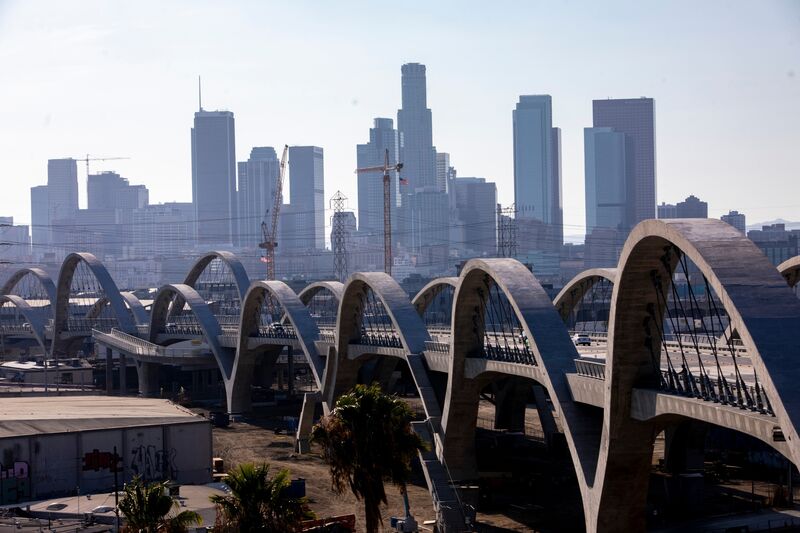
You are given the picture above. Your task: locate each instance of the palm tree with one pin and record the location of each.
(367, 440)
(146, 508)
(258, 502)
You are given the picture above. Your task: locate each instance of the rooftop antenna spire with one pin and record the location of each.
(199, 93)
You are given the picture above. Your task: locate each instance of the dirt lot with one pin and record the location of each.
(256, 440)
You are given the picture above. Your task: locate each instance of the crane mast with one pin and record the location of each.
(387, 205)
(270, 233)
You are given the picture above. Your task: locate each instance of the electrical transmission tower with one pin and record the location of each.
(506, 231)
(339, 237)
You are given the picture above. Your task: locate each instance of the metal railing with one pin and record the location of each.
(438, 347)
(591, 369)
(136, 346)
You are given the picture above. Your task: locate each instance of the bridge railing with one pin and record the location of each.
(437, 346)
(328, 337)
(285, 331)
(88, 324)
(387, 340)
(590, 369)
(22, 328)
(136, 346)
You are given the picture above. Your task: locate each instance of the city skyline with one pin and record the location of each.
(68, 125)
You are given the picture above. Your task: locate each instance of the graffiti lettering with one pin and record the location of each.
(14, 483)
(19, 470)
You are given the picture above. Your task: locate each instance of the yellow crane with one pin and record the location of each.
(270, 232)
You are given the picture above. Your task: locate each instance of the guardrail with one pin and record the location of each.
(327, 336)
(590, 369)
(136, 346)
(16, 329)
(438, 347)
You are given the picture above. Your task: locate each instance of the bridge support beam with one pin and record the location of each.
(123, 374)
(461, 418)
(546, 418)
(147, 373)
(302, 438)
(511, 400)
(109, 371)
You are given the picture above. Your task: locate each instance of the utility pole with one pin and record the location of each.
(339, 238)
(387, 204)
(506, 231)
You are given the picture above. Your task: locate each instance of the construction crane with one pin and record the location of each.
(387, 204)
(87, 159)
(270, 232)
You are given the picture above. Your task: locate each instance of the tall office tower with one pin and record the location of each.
(416, 151)
(257, 178)
(40, 219)
(476, 216)
(382, 137)
(62, 188)
(736, 219)
(635, 117)
(214, 177)
(606, 188)
(692, 207)
(16, 240)
(443, 171)
(430, 228)
(537, 175)
(307, 196)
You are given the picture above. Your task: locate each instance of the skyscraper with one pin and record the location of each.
(109, 190)
(214, 176)
(307, 196)
(40, 218)
(736, 219)
(257, 178)
(475, 202)
(382, 137)
(537, 174)
(635, 117)
(606, 179)
(62, 188)
(416, 151)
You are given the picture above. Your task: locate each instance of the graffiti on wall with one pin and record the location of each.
(15, 483)
(96, 460)
(151, 463)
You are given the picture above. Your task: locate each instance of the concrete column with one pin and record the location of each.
(290, 367)
(462, 418)
(148, 379)
(306, 423)
(123, 374)
(684, 454)
(109, 371)
(510, 402)
(546, 417)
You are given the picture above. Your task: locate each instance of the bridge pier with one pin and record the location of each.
(123, 374)
(147, 373)
(684, 453)
(510, 402)
(109, 371)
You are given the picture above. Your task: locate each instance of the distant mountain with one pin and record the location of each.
(789, 224)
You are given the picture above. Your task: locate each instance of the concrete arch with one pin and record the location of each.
(138, 311)
(336, 288)
(298, 316)
(552, 348)
(341, 373)
(790, 270)
(760, 308)
(231, 261)
(427, 293)
(576, 288)
(115, 299)
(33, 316)
(185, 295)
(40, 275)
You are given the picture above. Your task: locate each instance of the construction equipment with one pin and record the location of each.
(270, 232)
(387, 202)
(87, 159)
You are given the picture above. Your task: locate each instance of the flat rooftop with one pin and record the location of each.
(63, 414)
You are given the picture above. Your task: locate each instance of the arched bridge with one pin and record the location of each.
(693, 324)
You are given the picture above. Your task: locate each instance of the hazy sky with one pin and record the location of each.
(120, 79)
